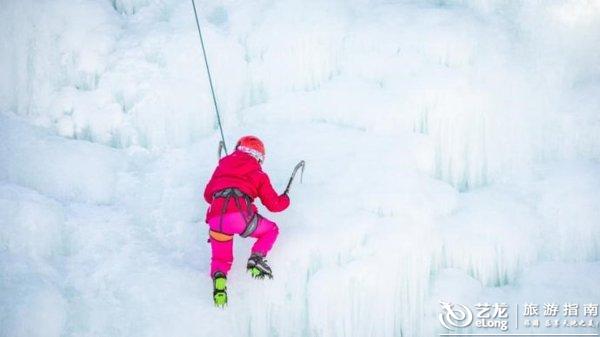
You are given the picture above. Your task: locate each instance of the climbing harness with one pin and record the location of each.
(251, 218)
(210, 81)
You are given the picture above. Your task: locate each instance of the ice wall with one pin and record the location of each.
(347, 264)
(466, 74)
(88, 72)
(108, 134)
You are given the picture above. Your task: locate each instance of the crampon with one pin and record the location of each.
(220, 289)
(258, 268)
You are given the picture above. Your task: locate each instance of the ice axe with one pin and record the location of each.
(300, 165)
(221, 147)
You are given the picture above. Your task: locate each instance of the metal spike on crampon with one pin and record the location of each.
(258, 274)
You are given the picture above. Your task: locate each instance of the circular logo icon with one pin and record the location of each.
(455, 315)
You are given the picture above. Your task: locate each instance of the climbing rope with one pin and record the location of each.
(210, 81)
(214, 97)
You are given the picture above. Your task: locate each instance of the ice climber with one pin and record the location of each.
(235, 183)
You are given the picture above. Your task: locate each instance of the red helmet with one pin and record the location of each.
(252, 146)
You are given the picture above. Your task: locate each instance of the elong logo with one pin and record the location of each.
(455, 315)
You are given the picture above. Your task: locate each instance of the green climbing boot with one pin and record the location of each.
(258, 268)
(220, 289)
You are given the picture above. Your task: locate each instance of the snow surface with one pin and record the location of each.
(452, 153)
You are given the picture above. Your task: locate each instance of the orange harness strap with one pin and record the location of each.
(218, 236)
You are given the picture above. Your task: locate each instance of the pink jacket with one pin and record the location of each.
(242, 171)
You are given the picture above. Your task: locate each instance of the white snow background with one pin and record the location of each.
(452, 153)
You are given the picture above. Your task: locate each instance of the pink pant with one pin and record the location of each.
(233, 223)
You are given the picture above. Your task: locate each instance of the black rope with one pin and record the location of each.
(212, 89)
